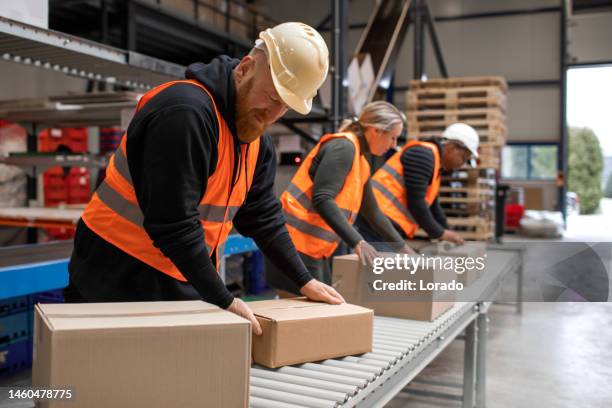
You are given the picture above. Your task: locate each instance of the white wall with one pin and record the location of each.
(34, 12)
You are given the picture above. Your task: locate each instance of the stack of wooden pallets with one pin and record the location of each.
(467, 196)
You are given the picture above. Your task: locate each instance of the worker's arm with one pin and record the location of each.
(438, 213)
(261, 218)
(418, 165)
(336, 160)
(170, 169)
(371, 212)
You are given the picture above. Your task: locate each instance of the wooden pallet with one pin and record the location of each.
(485, 128)
(484, 209)
(456, 115)
(465, 194)
(477, 228)
(478, 183)
(496, 137)
(456, 98)
(470, 173)
(489, 156)
(460, 82)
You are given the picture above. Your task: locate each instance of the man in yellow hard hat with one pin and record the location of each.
(193, 164)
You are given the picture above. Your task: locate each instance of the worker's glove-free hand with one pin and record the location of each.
(317, 290)
(453, 237)
(407, 250)
(365, 252)
(241, 309)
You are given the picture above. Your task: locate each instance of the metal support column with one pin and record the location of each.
(433, 36)
(104, 22)
(130, 26)
(32, 181)
(339, 31)
(469, 365)
(563, 142)
(419, 43)
(519, 287)
(482, 322)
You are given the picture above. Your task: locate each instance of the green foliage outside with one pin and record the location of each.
(585, 168)
(608, 189)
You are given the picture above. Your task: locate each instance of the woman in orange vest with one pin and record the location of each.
(407, 186)
(332, 187)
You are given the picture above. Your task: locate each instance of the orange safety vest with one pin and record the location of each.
(309, 232)
(390, 189)
(114, 214)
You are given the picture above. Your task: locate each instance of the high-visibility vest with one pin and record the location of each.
(309, 232)
(390, 189)
(114, 214)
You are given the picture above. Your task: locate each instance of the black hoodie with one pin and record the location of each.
(172, 151)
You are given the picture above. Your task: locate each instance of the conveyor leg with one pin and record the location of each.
(481, 361)
(469, 365)
(519, 290)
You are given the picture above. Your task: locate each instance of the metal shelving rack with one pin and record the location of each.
(56, 51)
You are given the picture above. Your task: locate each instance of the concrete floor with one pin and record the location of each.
(556, 355)
(590, 228)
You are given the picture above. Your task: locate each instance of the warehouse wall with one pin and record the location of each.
(522, 47)
(589, 38)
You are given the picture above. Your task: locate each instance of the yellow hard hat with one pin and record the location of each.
(299, 61)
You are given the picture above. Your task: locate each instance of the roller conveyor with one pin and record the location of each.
(401, 349)
(351, 380)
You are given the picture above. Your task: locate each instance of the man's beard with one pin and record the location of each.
(248, 125)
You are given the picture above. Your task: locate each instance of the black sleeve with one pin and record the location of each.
(170, 169)
(438, 213)
(375, 218)
(418, 165)
(261, 218)
(336, 159)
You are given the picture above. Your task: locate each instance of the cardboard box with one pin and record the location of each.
(468, 250)
(142, 355)
(298, 331)
(348, 280)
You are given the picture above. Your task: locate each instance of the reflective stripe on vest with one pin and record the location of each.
(310, 233)
(390, 190)
(114, 213)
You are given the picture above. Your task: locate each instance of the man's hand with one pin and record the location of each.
(365, 252)
(241, 309)
(453, 237)
(317, 290)
(407, 250)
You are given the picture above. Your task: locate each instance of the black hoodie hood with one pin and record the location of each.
(217, 76)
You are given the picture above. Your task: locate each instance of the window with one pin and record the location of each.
(529, 161)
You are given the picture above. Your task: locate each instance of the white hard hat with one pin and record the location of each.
(299, 61)
(464, 134)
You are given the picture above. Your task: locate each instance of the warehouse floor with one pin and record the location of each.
(556, 355)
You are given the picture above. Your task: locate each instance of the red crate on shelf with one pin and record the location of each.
(79, 185)
(55, 189)
(50, 139)
(76, 139)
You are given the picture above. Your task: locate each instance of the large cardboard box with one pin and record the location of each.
(298, 331)
(142, 355)
(348, 279)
